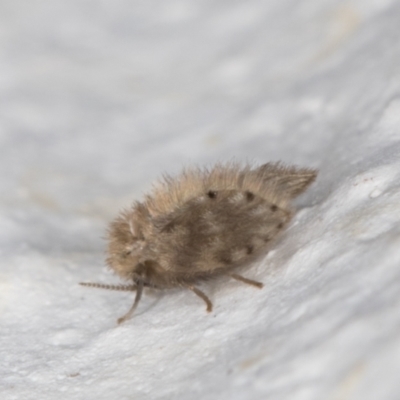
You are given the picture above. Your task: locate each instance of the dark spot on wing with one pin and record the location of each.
(249, 196)
(212, 194)
(249, 249)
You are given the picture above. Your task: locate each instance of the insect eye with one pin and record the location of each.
(126, 253)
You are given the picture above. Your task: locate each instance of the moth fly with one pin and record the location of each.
(203, 224)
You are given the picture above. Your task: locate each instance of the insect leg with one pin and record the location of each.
(202, 295)
(135, 303)
(248, 281)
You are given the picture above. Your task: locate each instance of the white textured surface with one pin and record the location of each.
(99, 98)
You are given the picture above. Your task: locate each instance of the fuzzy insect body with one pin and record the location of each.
(203, 224)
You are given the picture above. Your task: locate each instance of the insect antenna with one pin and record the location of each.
(122, 288)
